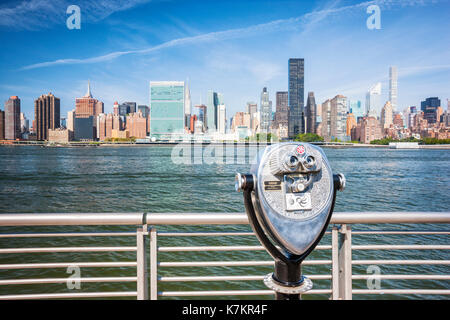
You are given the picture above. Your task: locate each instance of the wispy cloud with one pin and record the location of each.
(304, 22)
(42, 14)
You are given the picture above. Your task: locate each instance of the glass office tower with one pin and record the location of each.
(266, 112)
(166, 108)
(212, 101)
(296, 96)
(393, 87)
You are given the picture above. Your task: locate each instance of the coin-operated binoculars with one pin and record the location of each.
(289, 197)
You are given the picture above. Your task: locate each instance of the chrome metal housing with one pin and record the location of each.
(290, 227)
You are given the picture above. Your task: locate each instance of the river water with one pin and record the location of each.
(136, 179)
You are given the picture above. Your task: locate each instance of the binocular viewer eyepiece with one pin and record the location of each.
(289, 196)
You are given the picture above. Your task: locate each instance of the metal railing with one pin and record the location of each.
(147, 250)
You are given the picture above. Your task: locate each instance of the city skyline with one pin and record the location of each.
(190, 50)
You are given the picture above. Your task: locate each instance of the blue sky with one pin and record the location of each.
(233, 47)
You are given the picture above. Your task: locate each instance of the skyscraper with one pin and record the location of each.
(145, 110)
(351, 123)
(212, 101)
(310, 113)
(393, 87)
(88, 106)
(12, 118)
(221, 119)
(252, 107)
(433, 102)
(24, 124)
(70, 120)
(430, 109)
(296, 96)
(84, 128)
(131, 107)
(387, 115)
(265, 112)
(252, 110)
(373, 100)
(167, 108)
(411, 114)
(137, 125)
(356, 108)
(187, 104)
(334, 118)
(46, 115)
(202, 115)
(325, 126)
(282, 109)
(339, 117)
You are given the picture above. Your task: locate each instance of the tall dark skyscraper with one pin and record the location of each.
(296, 96)
(12, 118)
(429, 108)
(46, 115)
(132, 106)
(310, 113)
(433, 102)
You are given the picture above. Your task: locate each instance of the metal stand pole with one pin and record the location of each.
(287, 280)
(289, 275)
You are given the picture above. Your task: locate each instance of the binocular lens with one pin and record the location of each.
(293, 160)
(309, 161)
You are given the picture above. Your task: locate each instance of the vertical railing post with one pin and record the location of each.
(142, 265)
(345, 262)
(153, 265)
(335, 263)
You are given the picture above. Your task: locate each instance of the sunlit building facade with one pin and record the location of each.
(12, 118)
(46, 115)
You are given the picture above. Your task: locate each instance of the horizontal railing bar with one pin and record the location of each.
(215, 293)
(204, 234)
(69, 295)
(405, 262)
(402, 276)
(233, 263)
(68, 264)
(401, 291)
(336, 218)
(36, 219)
(66, 249)
(74, 219)
(399, 232)
(210, 248)
(64, 280)
(389, 217)
(224, 248)
(73, 234)
(230, 293)
(401, 247)
(229, 278)
(184, 234)
(208, 234)
(216, 263)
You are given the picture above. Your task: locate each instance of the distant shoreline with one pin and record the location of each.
(249, 144)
